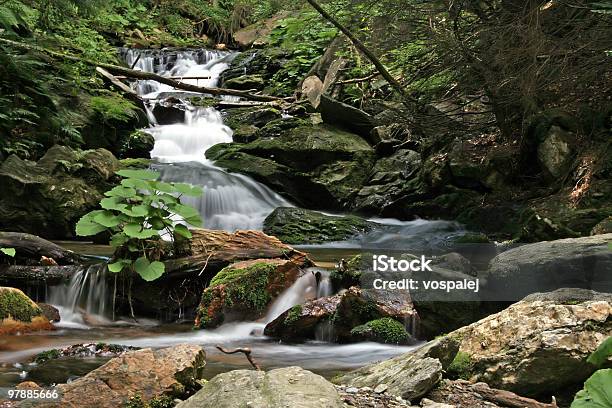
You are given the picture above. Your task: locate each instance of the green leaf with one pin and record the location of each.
(137, 231)
(118, 239)
(157, 223)
(600, 356)
(164, 187)
(184, 211)
(182, 230)
(139, 174)
(188, 189)
(597, 392)
(118, 266)
(107, 219)
(149, 271)
(135, 183)
(87, 226)
(113, 203)
(8, 251)
(136, 211)
(121, 191)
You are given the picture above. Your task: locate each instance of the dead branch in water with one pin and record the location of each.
(245, 350)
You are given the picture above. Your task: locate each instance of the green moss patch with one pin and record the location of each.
(385, 330)
(461, 367)
(15, 304)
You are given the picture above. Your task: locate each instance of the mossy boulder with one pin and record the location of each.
(246, 82)
(20, 313)
(265, 62)
(243, 291)
(385, 330)
(48, 197)
(137, 145)
(318, 166)
(298, 226)
(347, 273)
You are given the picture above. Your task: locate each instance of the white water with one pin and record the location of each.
(230, 201)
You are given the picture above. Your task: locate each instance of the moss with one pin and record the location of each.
(461, 367)
(247, 286)
(387, 330)
(14, 303)
(135, 163)
(47, 355)
(293, 315)
(161, 401)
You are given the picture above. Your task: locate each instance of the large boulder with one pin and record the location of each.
(144, 373)
(318, 166)
(298, 226)
(411, 375)
(19, 313)
(244, 290)
(345, 311)
(279, 388)
(538, 346)
(573, 262)
(47, 198)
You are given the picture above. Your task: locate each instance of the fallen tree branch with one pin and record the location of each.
(365, 50)
(358, 80)
(144, 75)
(509, 399)
(245, 350)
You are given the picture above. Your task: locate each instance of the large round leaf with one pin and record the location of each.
(188, 189)
(137, 231)
(118, 266)
(107, 219)
(597, 392)
(121, 191)
(139, 174)
(182, 230)
(113, 203)
(8, 251)
(136, 211)
(135, 183)
(88, 226)
(149, 271)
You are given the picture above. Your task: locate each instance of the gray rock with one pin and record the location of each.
(279, 388)
(545, 266)
(555, 152)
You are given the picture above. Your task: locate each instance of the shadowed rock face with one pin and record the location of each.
(145, 372)
(280, 388)
(540, 345)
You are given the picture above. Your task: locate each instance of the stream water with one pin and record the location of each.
(230, 202)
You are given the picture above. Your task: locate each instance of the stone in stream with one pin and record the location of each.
(538, 346)
(19, 313)
(299, 226)
(345, 311)
(411, 375)
(280, 388)
(573, 262)
(145, 373)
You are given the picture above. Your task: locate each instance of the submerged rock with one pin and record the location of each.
(538, 346)
(47, 198)
(244, 290)
(145, 373)
(19, 313)
(280, 388)
(298, 226)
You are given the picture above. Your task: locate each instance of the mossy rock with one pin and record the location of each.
(348, 274)
(461, 367)
(137, 145)
(385, 330)
(298, 226)
(246, 82)
(16, 305)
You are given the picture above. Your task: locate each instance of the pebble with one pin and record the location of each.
(380, 388)
(352, 390)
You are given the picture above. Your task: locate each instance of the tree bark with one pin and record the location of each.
(30, 248)
(22, 275)
(144, 75)
(361, 46)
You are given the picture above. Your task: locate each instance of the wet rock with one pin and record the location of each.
(145, 373)
(19, 313)
(298, 226)
(84, 350)
(168, 112)
(348, 117)
(340, 314)
(50, 312)
(246, 83)
(250, 116)
(244, 290)
(279, 388)
(265, 62)
(48, 198)
(603, 227)
(137, 145)
(556, 150)
(544, 266)
(347, 273)
(317, 166)
(538, 346)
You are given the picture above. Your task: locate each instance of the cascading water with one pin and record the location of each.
(230, 201)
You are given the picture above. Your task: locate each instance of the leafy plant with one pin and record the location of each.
(137, 214)
(597, 391)
(8, 251)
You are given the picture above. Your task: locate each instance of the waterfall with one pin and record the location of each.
(85, 300)
(229, 201)
(303, 288)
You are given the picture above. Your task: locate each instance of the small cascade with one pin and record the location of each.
(305, 287)
(324, 285)
(325, 332)
(85, 300)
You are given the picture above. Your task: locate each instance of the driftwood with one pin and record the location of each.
(134, 74)
(24, 275)
(115, 81)
(509, 399)
(32, 248)
(246, 351)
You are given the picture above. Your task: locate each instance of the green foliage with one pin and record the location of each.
(13, 303)
(597, 391)
(461, 367)
(161, 401)
(113, 107)
(293, 315)
(8, 251)
(47, 355)
(387, 330)
(137, 214)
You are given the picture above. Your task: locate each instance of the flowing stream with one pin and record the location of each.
(230, 202)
